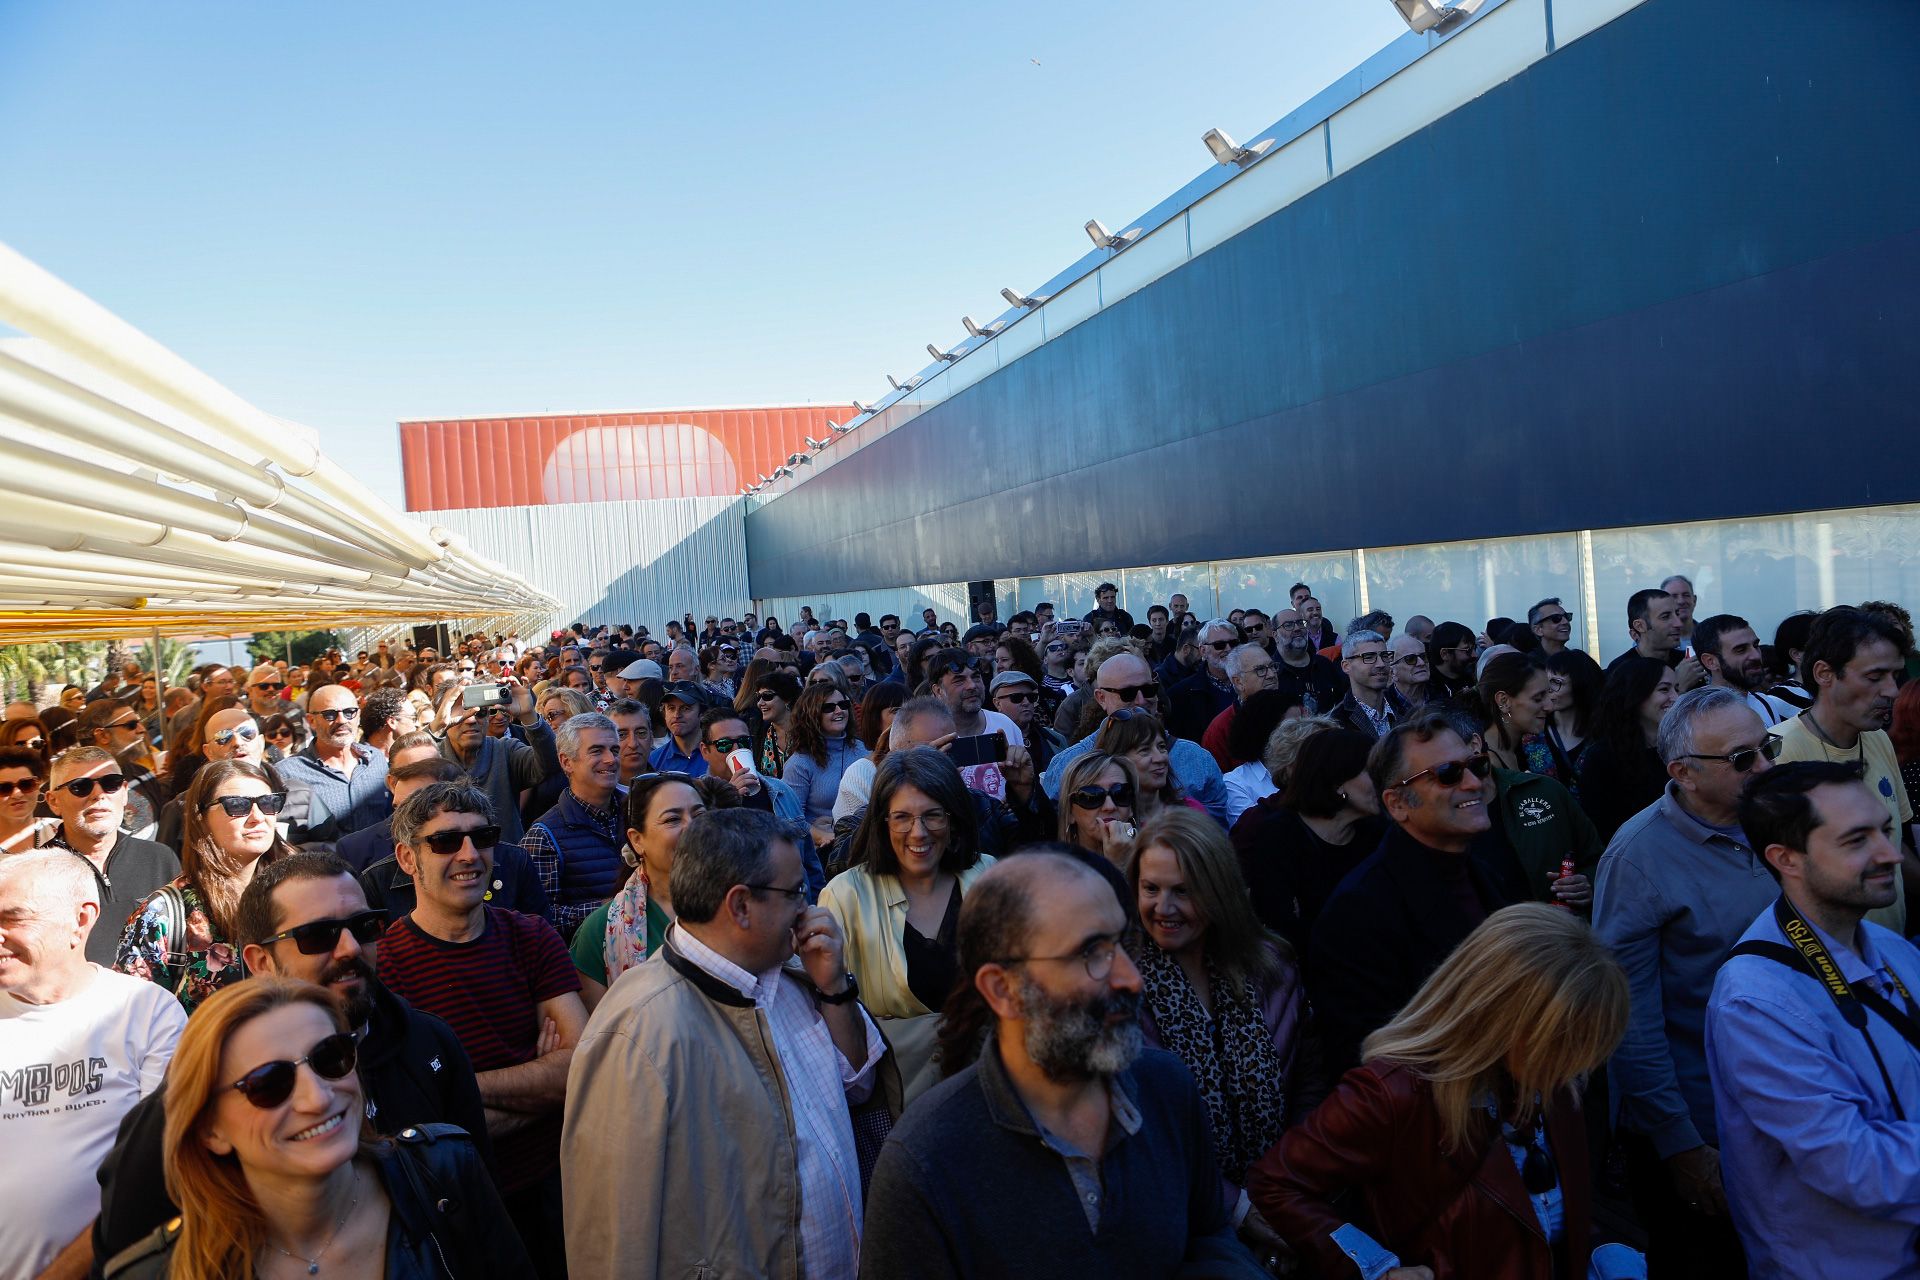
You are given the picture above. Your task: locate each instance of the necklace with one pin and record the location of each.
(1822, 734)
(313, 1263)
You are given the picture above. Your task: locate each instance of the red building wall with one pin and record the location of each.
(601, 457)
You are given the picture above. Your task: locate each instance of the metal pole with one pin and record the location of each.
(159, 700)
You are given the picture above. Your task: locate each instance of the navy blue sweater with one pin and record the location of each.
(965, 1187)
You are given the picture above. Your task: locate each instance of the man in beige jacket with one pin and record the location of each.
(711, 1108)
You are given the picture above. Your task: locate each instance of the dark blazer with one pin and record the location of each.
(1191, 705)
(1465, 1215)
(1383, 932)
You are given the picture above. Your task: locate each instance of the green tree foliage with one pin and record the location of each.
(297, 647)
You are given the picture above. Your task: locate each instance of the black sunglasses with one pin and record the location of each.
(1537, 1171)
(239, 806)
(451, 842)
(838, 704)
(81, 788)
(1133, 692)
(317, 937)
(31, 788)
(332, 714)
(1023, 696)
(726, 745)
(1450, 773)
(271, 1083)
(1742, 760)
(1094, 797)
(271, 686)
(1553, 620)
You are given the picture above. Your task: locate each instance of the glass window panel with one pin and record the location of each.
(1076, 592)
(1029, 592)
(1471, 582)
(1263, 584)
(1142, 588)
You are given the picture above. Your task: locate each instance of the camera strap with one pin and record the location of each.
(1810, 956)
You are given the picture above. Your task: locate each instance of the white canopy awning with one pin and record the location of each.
(139, 495)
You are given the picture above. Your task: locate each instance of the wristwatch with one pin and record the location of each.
(852, 992)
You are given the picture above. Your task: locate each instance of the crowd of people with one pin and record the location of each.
(1197, 947)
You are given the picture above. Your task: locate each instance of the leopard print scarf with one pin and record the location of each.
(1230, 1054)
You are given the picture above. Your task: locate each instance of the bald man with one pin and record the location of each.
(79, 1045)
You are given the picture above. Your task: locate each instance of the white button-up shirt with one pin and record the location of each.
(822, 1084)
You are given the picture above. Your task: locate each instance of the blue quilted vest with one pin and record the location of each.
(590, 863)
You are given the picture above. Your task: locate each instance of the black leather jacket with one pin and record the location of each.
(447, 1222)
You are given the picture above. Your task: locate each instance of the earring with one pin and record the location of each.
(1341, 796)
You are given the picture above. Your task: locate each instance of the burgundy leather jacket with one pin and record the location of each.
(1466, 1215)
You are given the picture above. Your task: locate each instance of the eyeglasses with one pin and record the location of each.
(271, 686)
(1020, 698)
(1553, 620)
(1413, 660)
(1093, 797)
(1220, 646)
(448, 843)
(271, 1083)
(725, 745)
(281, 735)
(933, 819)
(1450, 773)
(836, 704)
(1375, 658)
(482, 713)
(31, 788)
(123, 724)
(244, 732)
(1056, 647)
(1097, 956)
(1133, 692)
(1291, 626)
(81, 788)
(332, 714)
(1262, 671)
(237, 807)
(1742, 760)
(317, 937)
(797, 895)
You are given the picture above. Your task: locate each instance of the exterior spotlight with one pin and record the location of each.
(1424, 15)
(946, 357)
(781, 473)
(800, 460)
(1104, 239)
(840, 429)
(898, 385)
(862, 408)
(977, 331)
(1021, 300)
(819, 444)
(1226, 151)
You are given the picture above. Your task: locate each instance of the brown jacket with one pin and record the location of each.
(1465, 1215)
(677, 1155)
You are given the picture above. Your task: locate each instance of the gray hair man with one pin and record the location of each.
(1677, 887)
(575, 846)
(670, 1083)
(83, 1044)
(1371, 705)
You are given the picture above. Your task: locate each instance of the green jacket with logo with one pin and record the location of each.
(1544, 824)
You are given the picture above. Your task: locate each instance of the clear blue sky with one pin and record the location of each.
(356, 213)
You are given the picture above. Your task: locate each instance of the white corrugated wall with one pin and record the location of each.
(637, 562)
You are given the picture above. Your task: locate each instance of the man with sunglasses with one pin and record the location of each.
(1064, 1148)
(88, 793)
(370, 851)
(671, 1087)
(1678, 886)
(1017, 697)
(79, 1046)
(232, 734)
(264, 686)
(1410, 903)
(336, 785)
(115, 727)
(1125, 682)
(1194, 702)
(1552, 625)
(305, 918)
(504, 982)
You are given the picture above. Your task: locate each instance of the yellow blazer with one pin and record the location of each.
(872, 911)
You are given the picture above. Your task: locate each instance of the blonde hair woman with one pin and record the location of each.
(269, 1156)
(1096, 805)
(1464, 1118)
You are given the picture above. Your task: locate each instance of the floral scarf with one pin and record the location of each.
(627, 927)
(193, 966)
(1230, 1054)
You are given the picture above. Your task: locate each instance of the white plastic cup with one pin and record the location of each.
(742, 761)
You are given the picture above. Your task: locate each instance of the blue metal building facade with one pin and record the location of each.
(1670, 272)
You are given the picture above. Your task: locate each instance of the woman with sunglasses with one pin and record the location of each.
(1222, 993)
(1096, 805)
(181, 935)
(27, 735)
(823, 746)
(719, 663)
(1459, 1141)
(277, 1173)
(1141, 738)
(286, 734)
(627, 928)
(23, 775)
(73, 698)
(1621, 772)
(774, 695)
(916, 854)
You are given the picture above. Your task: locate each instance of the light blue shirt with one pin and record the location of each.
(1822, 1177)
(1193, 767)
